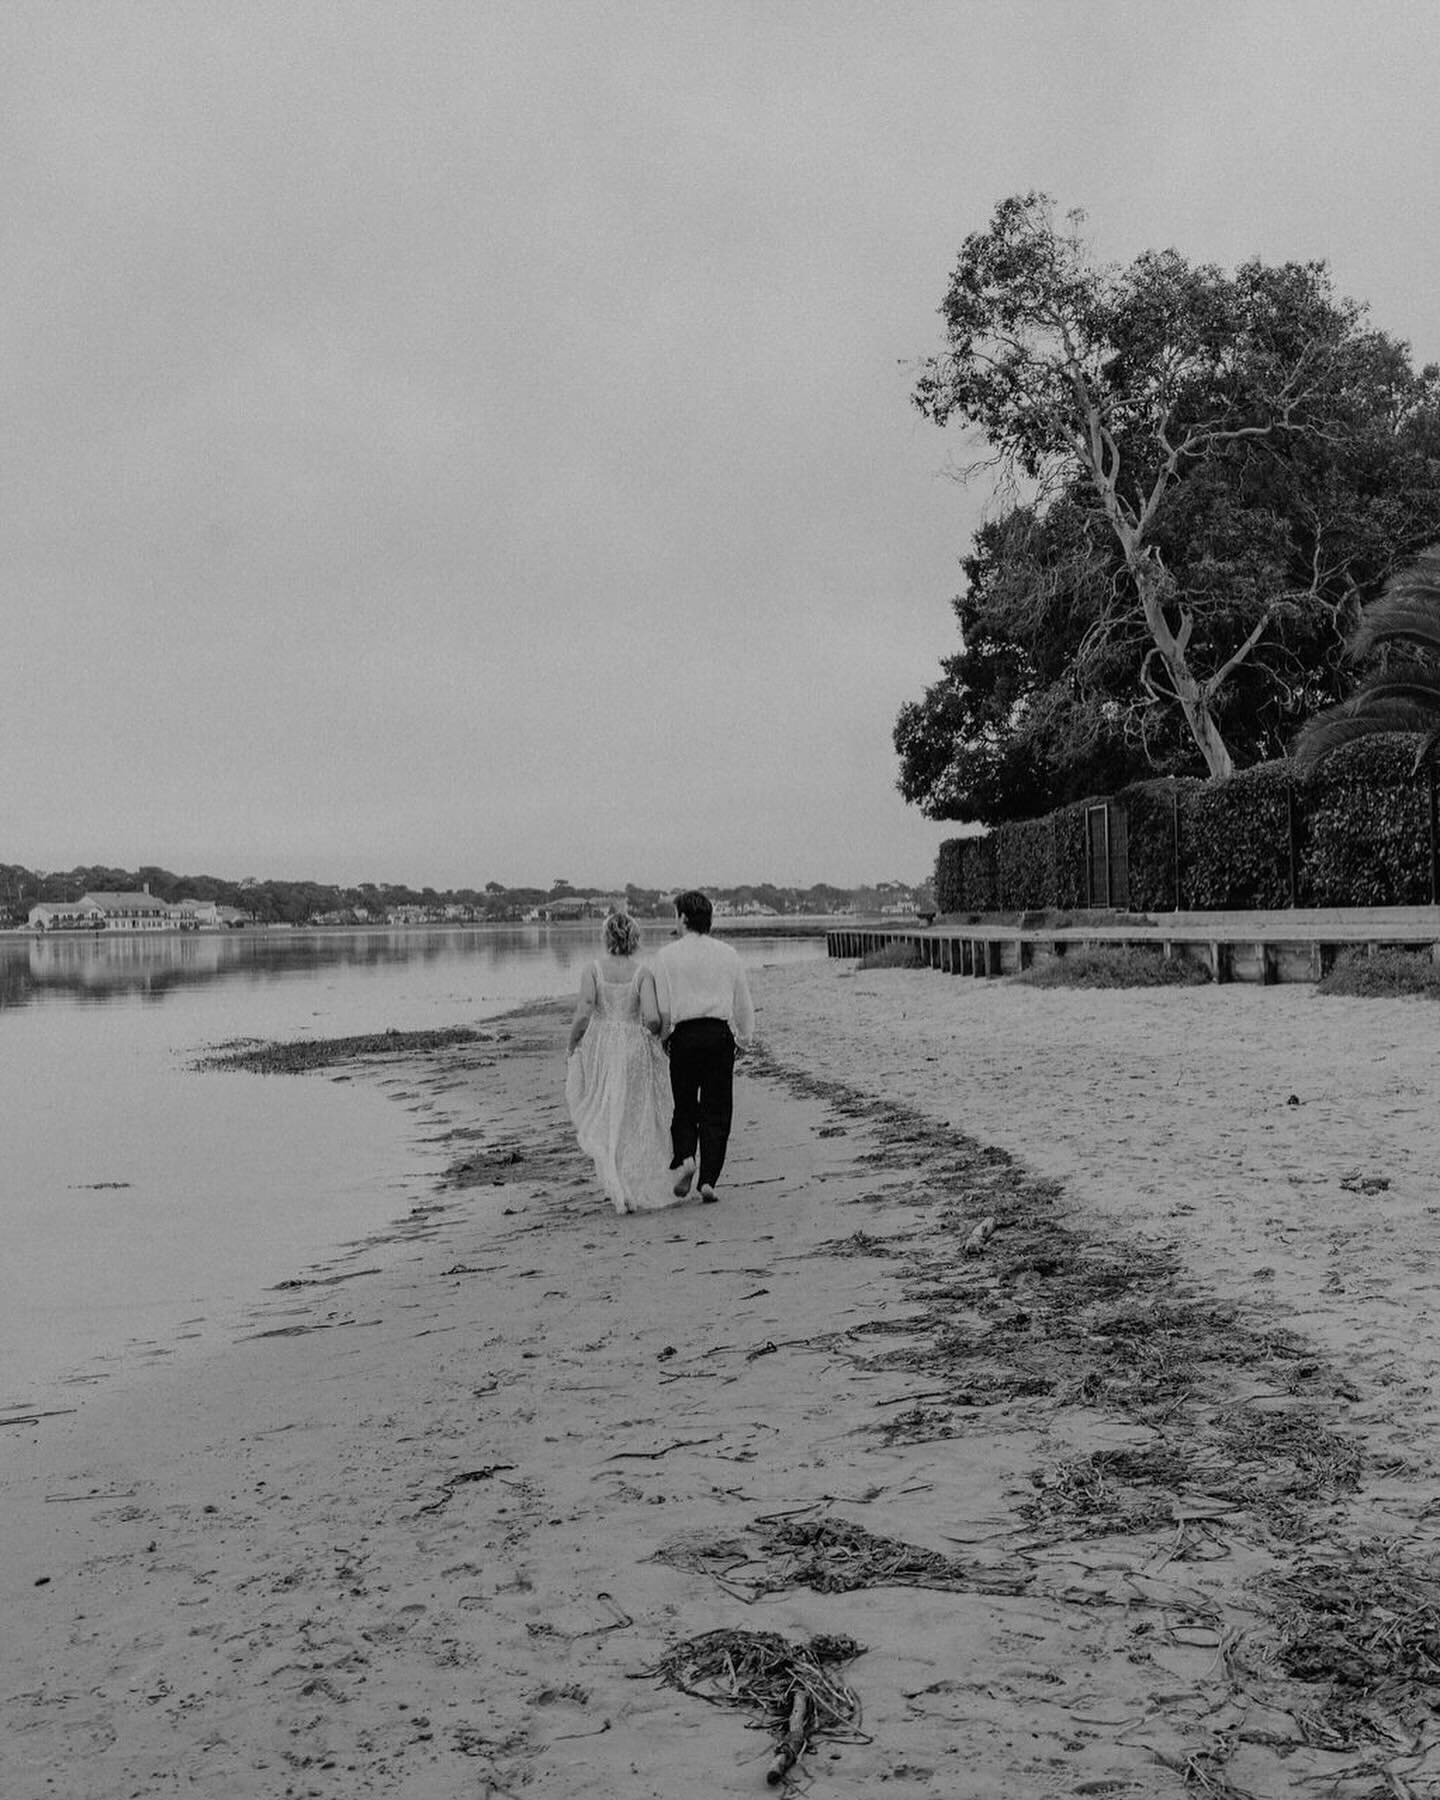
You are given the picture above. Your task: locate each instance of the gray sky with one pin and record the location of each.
(458, 442)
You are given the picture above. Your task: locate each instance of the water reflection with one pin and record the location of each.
(94, 969)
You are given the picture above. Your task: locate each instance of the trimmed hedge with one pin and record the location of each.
(1025, 865)
(1355, 832)
(1150, 809)
(965, 875)
(1070, 879)
(1237, 838)
(1369, 829)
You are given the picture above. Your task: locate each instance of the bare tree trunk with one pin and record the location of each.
(1150, 582)
(1152, 585)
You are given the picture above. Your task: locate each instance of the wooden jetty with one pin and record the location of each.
(1261, 947)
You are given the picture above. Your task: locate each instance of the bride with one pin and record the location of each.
(617, 1081)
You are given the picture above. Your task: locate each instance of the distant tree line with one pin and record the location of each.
(298, 902)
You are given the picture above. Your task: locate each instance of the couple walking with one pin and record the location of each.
(652, 1058)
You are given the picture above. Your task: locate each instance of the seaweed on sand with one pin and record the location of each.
(1271, 1466)
(1097, 1495)
(1322, 1464)
(1365, 1623)
(795, 1688)
(1239, 1440)
(859, 1243)
(833, 1556)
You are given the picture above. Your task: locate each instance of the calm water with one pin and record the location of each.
(142, 1204)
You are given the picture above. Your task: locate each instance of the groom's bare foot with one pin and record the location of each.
(708, 1194)
(684, 1176)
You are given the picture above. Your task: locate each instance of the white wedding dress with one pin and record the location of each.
(618, 1089)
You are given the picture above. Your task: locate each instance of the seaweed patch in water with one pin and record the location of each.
(304, 1054)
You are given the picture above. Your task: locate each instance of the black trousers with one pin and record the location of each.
(702, 1084)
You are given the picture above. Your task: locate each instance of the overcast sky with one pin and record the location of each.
(451, 442)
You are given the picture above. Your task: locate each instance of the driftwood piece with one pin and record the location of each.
(665, 1449)
(447, 1492)
(793, 1744)
(978, 1238)
(31, 1416)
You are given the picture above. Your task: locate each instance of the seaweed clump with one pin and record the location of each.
(796, 1688)
(304, 1054)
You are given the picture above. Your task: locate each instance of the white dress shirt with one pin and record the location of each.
(697, 977)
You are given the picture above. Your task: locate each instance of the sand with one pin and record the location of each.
(429, 1525)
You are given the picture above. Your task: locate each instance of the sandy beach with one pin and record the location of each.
(1069, 1355)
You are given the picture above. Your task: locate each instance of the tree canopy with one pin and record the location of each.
(1207, 475)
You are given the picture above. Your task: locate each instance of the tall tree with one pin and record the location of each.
(1203, 426)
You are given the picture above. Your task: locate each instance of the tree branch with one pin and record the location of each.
(1212, 687)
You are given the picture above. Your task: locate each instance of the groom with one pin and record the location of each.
(704, 1007)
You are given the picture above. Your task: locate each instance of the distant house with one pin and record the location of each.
(133, 912)
(208, 915)
(106, 912)
(65, 915)
(579, 906)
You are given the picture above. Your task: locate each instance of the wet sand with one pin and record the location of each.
(1045, 1344)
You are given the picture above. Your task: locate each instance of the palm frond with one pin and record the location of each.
(1407, 612)
(1415, 689)
(1396, 707)
(1398, 618)
(1324, 735)
(1404, 698)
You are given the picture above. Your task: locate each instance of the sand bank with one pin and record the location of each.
(426, 1528)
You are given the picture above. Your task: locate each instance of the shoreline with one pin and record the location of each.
(422, 1531)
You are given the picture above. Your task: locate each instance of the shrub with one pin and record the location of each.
(1384, 975)
(1114, 966)
(895, 955)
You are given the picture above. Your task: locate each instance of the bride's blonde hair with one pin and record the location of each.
(622, 934)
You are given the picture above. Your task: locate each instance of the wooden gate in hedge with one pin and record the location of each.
(1107, 861)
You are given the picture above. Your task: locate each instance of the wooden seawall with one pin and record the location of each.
(1252, 947)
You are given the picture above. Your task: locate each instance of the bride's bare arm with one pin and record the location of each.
(650, 1004)
(584, 1006)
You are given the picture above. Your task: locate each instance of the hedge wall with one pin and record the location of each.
(1356, 832)
(1368, 836)
(965, 875)
(1236, 839)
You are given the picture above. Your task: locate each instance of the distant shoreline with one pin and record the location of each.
(790, 925)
